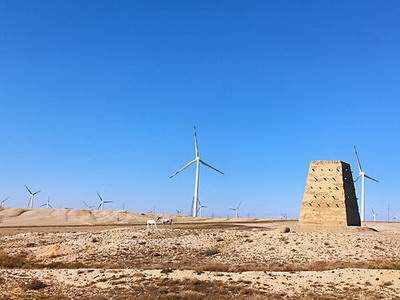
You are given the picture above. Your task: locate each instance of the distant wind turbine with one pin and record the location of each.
(178, 212)
(198, 162)
(201, 206)
(31, 197)
(362, 175)
(102, 202)
(88, 206)
(2, 202)
(236, 209)
(47, 204)
(374, 214)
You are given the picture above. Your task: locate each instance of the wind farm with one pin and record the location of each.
(190, 150)
(214, 248)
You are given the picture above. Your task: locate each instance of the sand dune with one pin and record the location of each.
(66, 216)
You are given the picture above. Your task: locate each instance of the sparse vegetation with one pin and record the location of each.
(211, 251)
(35, 284)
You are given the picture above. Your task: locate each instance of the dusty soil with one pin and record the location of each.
(201, 261)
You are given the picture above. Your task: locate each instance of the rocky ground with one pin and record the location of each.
(200, 261)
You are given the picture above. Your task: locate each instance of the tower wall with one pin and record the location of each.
(329, 196)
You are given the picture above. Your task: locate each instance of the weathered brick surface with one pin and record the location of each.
(329, 196)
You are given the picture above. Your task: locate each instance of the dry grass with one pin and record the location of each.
(211, 251)
(17, 261)
(168, 289)
(35, 284)
(21, 261)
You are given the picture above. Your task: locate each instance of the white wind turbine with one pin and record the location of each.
(198, 162)
(374, 214)
(102, 202)
(2, 202)
(88, 206)
(362, 175)
(31, 197)
(201, 208)
(47, 204)
(236, 210)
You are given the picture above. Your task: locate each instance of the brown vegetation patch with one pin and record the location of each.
(35, 284)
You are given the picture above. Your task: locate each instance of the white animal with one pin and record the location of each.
(166, 221)
(152, 223)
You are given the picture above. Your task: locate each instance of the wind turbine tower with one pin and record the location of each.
(362, 175)
(102, 202)
(201, 208)
(31, 197)
(236, 210)
(197, 161)
(47, 204)
(374, 214)
(2, 202)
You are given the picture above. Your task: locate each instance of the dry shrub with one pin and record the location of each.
(20, 261)
(13, 261)
(168, 289)
(211, 251)
(35, 284)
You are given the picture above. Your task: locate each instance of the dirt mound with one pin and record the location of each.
(64, 216)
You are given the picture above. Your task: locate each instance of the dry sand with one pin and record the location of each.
(195, 261)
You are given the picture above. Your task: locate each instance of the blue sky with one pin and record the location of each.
(103, 95)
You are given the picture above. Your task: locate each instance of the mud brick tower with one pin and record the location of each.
(329, 196)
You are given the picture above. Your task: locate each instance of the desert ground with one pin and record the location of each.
(112, 255)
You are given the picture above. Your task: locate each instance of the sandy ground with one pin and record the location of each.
(248, 260)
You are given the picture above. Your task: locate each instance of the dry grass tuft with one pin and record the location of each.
(35, 284)
(13, 261)
(211, 251)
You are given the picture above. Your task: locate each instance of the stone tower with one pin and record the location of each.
(329, 196)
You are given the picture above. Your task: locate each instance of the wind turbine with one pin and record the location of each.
(88, 206)
(374, 214)
(362, 175)
(31, 197)
(198, 161)
(2, 202)
(201, 208)
(236, 209)
(102, 202)
(178, 212)
(47, 204)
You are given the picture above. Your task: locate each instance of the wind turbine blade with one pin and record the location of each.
(196, 144)
(36, 193)
(183, 168)
(211, 167)
(373, 179)
(101, 199)
(30, 192)
(50, 206)
(99, 206)
(239, 205)
(358, 159)
(108, 201)
(358, 177)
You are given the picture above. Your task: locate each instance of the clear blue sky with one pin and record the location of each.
(102, 95)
